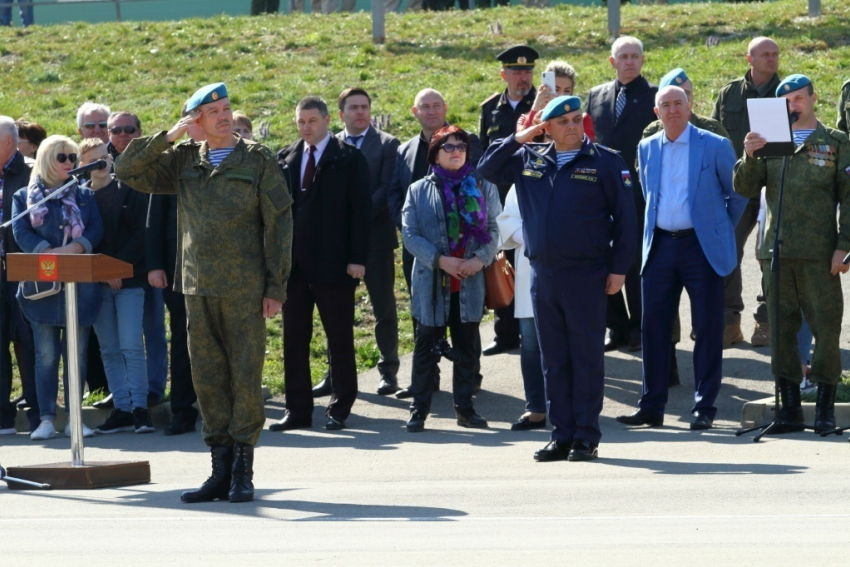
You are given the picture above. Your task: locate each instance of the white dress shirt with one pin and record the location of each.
(674, 211)
(317, 155)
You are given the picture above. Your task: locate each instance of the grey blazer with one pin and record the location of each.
(380, 150)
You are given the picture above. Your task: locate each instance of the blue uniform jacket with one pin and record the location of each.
(582, 214)
(51, 310)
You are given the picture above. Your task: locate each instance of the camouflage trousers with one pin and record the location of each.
(227, 346)
(806, 289)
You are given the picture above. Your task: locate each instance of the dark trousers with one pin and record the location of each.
(625, 323)
(95, 375)
(182, 391)
(465, 341)
(336, 309)
(380, 282)
(531, 366)
(733, 299)
(14, 330)
(569, 309)
(674, 264)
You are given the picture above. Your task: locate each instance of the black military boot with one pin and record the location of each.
(241, 483)
(825, 408)
(218, 484)
(791, 412)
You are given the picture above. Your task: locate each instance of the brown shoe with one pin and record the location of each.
(761, 335)
(732, 335)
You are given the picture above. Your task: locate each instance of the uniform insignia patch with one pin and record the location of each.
(215, 95)
(627, 178)
(584, 171)
(583, 177)
(532, 173)
(847, 170)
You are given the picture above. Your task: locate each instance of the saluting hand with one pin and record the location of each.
(615, 283)
(528, 134)
(753, 142)
(838, 265)
(179, 129)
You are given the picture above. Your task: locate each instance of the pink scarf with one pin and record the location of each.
(74, 226)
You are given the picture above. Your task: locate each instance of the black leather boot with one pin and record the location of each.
(241, 483)
(791, 411)
(825, 408)
(218, 484)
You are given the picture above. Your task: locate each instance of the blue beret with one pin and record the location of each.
(560, 106)
(792, 83)
(676, 77)
(206, 95)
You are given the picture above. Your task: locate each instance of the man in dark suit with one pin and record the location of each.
(333, 217)
(411, 165)
(14, 174)
(355, 111)
(688, 241)
(621, 110)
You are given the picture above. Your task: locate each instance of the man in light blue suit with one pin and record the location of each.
(688, 242)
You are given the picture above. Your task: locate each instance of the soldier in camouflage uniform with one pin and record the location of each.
(844, 109)
(813, 247)
(233, 264)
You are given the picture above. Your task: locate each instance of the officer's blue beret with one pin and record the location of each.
(676, 77)
(519, 57)
(560, 106)
(205, 95)
(792, 83)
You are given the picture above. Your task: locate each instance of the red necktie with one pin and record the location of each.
(309, 171)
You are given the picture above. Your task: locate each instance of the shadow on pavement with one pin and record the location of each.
(685, 468)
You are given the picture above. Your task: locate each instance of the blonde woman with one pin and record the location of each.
(67, 224)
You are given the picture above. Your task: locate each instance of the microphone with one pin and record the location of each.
(94, 166)
(793, 117)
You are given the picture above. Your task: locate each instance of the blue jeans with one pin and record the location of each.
(119, 331)
(48, 346)
(532, 367)
(25, 10)
(155, 344)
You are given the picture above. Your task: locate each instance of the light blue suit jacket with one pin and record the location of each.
(714, 205)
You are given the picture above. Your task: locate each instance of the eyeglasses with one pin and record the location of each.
(91, 125)
(461, 147)
(62, 158)
(127, 129)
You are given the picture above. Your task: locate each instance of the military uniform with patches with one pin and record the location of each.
(234, 248)
(817, 181)
(843, 122)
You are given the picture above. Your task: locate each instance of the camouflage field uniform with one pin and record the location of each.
(816, 182)
(844, 109)
(235, 238)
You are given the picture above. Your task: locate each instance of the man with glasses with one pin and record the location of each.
(122, 127)
(92, 121)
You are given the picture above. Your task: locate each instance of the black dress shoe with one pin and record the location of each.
(416, 423)
(641, 418)
(154, 399)
(323, 388)
(613, 342)
(290, 422)
(182, 422)
(468, 418)
(498, 347)
(404, 393)
(554, 451)
(583, 451)
(701, 422)
(334, 424)
(634, 343)
(525, 424)
(105, 403)
(388, 385)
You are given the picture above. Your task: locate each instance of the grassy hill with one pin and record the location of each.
(270, 62)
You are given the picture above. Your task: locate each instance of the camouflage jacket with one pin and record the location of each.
(710, 124)
(235, 220)
(730, 108)
(843, 123)
(816, 183)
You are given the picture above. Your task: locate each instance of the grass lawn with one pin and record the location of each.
(270, 62)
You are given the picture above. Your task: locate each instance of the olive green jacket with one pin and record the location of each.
(713, 126)
(816, 183)
(235, 221)
(843, 123)
(730, 108)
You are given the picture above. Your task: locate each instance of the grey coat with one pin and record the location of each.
(424, 233)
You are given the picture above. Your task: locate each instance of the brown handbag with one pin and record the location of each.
(498, 283)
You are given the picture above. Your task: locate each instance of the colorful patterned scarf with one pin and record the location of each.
(466, 211)
(74, 226)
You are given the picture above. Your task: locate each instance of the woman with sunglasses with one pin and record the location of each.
(67, 224)
(449, 225)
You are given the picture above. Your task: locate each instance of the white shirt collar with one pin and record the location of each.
(684, 137)
(363, 133)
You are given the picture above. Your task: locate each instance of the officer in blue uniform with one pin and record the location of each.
(580, 231)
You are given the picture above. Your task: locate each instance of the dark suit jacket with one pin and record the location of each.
(340, 212)
(161, 236)
(380, 150)
(17, 177)
(405, 163)
(624, 134)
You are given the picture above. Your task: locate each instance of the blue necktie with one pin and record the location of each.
(621, 102)
(355, 140)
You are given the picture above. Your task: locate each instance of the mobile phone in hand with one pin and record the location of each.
(549, 80)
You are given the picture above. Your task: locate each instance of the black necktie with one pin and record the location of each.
(309, 170)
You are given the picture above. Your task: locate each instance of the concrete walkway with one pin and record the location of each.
(374, 494)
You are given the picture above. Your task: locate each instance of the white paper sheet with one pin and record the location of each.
(769, 119)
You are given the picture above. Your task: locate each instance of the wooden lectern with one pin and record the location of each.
(72, 269)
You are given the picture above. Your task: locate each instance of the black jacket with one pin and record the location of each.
(161, 236)
(17, 177)
(125, 222)
(332, 223)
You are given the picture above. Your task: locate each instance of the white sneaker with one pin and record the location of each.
(806, 385)
(86, 431)
(8, 431)
(44, 431)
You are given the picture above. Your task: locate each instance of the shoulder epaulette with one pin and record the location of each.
(607, 149)
(837, 134)
(489, 98)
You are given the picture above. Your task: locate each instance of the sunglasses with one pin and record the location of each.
(62, 158)
(127, 129)
(91, 125)
(461, 147)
